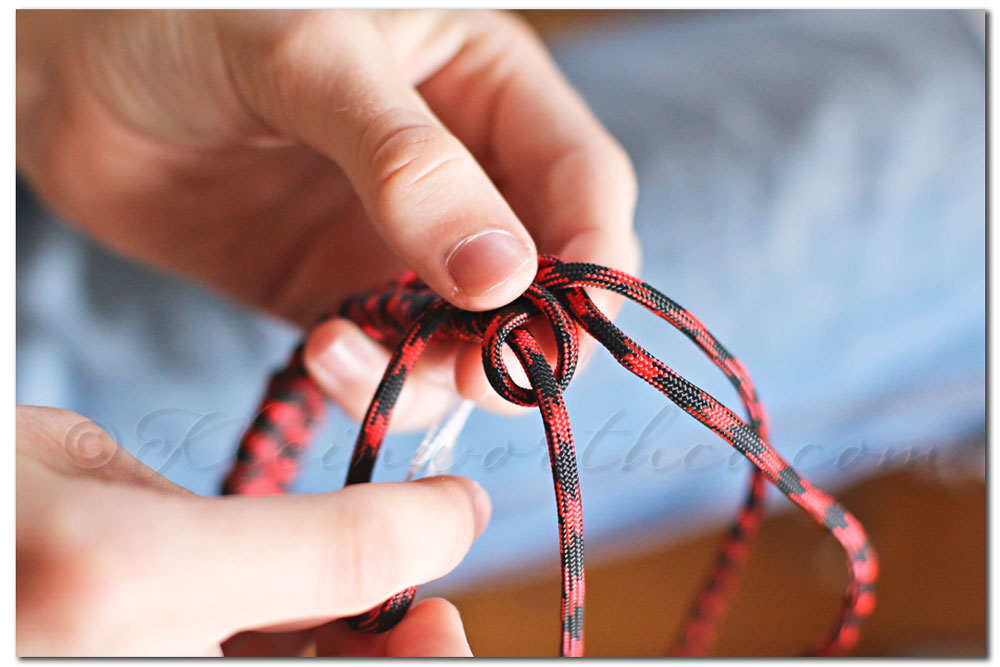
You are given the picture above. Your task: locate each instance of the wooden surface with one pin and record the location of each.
(550, 22)
(932, 593)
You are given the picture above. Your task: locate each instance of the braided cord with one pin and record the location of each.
(408, 315)
(566, 483)
(267, 460)
(859, 596)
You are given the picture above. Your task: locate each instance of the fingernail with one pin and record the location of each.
(486, 260)
(349, 359)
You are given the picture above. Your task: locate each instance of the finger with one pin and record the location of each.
(331, 82)
(337, 640)
(591, 247)
(251, 562)
(505, 98)
(348, 365)
(431, 628)
(567, 179)
(267, 644)
(71, 444)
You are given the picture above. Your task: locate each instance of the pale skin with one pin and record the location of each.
(113, 559)
(291, 159)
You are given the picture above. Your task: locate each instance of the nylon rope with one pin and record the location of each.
(406, 315)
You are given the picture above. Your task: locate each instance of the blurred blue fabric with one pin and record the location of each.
(812, 187)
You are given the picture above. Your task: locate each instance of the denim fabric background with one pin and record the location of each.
(812, 187)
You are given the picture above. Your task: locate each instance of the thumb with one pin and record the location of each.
(265, 561)
(333, 85)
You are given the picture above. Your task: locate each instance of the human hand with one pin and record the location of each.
(113, 559)
(292, 159)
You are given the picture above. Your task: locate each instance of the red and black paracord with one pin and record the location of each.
(408, 315)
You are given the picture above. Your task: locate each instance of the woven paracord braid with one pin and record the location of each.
(407, 315)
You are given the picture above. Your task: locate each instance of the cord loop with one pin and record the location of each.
(407, 315)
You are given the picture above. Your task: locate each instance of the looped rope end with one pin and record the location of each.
(407, 315)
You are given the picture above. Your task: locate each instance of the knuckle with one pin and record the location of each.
(402, 152)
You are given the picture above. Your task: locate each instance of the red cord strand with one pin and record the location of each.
(406, 314)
